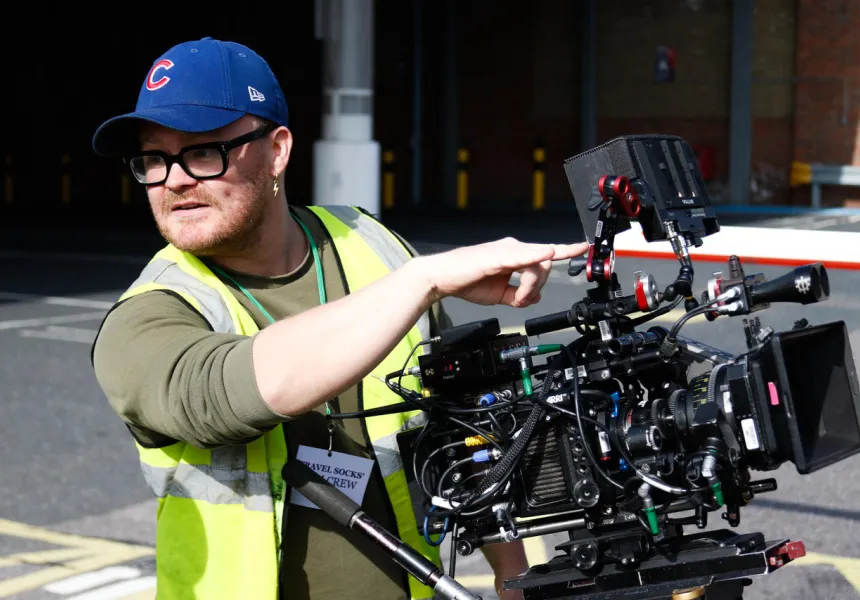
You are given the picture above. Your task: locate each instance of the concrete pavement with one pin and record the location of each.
(76, 521)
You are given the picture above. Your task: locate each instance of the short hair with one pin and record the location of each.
(261, 121)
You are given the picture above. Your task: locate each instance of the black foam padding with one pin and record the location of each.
(584, 171)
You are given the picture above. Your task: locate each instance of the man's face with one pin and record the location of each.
(213, 216)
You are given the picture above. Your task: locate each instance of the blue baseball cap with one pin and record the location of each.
(197, 86)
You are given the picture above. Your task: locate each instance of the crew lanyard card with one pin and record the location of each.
(346, 472)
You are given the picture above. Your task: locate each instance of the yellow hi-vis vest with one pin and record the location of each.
(219, 510)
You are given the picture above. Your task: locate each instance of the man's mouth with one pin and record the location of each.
(187, 205)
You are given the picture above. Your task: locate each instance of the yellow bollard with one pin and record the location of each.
(538, 179)
(8, 182)
(462, 178)
(801, 173)
(388, 179)
(66, 180)
(125, 189)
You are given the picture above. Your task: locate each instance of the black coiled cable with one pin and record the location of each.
(513, 454)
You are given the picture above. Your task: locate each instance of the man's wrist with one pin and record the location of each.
(418, 272)
(507, 560)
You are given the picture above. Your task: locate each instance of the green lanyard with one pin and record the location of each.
(320, 287)
(317, 264)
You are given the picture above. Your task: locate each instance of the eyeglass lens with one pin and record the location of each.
(201, 162)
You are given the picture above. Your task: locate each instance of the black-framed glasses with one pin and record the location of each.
(200, 161)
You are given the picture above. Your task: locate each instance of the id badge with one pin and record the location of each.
(346, 472)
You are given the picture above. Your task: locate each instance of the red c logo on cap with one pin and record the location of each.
(154, 85)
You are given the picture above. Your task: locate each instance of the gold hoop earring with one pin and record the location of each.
(275, 188)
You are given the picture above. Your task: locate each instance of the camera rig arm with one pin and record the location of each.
(617, 197)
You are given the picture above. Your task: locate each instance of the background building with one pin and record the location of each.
(752, 84)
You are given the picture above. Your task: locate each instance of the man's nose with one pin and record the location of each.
(178, 178)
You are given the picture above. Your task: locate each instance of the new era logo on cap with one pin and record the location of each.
(255, 95)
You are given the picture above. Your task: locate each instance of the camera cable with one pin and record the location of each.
(653, 481)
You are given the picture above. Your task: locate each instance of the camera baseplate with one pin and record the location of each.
(721, 561)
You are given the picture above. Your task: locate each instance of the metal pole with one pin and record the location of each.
(449, 124)
(347, 158)
(740, 118)
(416, 103)
(588, 78)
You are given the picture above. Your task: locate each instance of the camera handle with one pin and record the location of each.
(348, 513)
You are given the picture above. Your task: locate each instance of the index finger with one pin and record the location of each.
(565, 251)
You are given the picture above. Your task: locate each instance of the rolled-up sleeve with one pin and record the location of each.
(164, 371)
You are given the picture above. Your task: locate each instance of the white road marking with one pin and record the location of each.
(63, 334)
(118, 590)
(56, 300)
(822, 223)
(42, 321)
(82, 257)
(87, 581)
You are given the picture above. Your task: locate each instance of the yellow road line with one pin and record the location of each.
(849, 567)
(43, 558)
(535, 551)
(80, 554)
(477, 581)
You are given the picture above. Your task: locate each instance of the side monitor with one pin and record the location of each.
(662, 171)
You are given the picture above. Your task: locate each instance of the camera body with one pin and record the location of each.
(609, 436)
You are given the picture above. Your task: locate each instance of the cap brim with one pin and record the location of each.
(119, 136)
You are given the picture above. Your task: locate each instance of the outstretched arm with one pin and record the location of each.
(355, 333)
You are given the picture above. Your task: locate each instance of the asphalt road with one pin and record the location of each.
(77, 522)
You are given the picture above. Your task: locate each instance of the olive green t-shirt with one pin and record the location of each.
(170, 377)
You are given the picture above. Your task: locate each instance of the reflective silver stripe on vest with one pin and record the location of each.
(166, 272)
(225, 481)
(386, 450)
(380, 241)
(389, 250)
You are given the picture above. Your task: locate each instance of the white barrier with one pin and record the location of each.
(769, 246)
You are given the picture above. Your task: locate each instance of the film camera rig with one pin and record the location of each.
(615, 433)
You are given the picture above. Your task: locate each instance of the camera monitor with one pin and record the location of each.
(662, 171)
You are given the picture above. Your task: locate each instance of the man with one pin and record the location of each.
(256, 322)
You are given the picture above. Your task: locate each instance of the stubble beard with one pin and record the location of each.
(233, 233)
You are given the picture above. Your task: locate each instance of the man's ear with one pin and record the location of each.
(282, 145)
